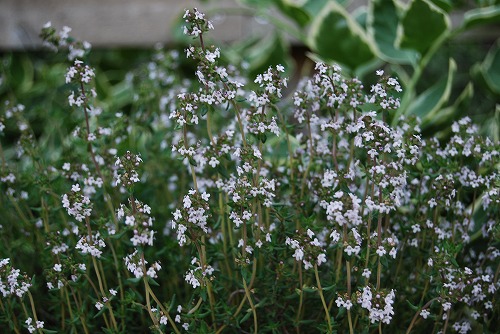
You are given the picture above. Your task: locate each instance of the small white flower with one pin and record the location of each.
(425, 313)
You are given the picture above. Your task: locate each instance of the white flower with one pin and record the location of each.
(425, 313)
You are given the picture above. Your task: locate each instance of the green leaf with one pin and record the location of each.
(152, 281)
(336, 36)
(296, 13)
(247, 316)
(134, 280)
(271, 50)
(383, 21)
(481, 16)
(413, 307)
(313, 7)
(360, 15)
(22, 73)
(489, 69)
(192, 162)
(434, 97)
(422, 24)
(442, 116)
(445, 5)
(222, 171)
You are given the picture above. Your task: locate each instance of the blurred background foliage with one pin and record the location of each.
(445, 53)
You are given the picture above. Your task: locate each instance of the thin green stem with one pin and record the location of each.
(33, 310)
(320, 291)
(252, 306)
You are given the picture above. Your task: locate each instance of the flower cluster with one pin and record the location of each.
(139, 221)
(127, 174)
(308, 250)
(32, 327)
(199, 275)
(77, 204)
(82, 75)
(12, 281)
(56, 40)
(136, 264)
(192, 218)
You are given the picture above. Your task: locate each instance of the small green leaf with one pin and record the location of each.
(134, 280)
(422, 24)
(336, 36)
(382, 27)
(204, 109)
(434, 97)
(152, 281)
(481, 16)
(192, 162)
(247, 316)
(413, 307)
(222, 171)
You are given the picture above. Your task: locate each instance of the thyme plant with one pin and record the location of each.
(228, 204)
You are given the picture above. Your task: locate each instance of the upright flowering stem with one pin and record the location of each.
(320, 291)
(33, 310)
(87, 124)
(146, 289)
(349, 317)
(98, 274)
(379, 242)
(252, 306)
(415, 317)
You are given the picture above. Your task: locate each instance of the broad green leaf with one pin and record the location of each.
(294, 11)
(422, 24)
(446, 115)
(336, 36)
(382, 22)
(446, 5)
(434, 97)
(360, 15)
(272, 50)
(481, 16)
(313, 7)
(21, 73)
(490, 69)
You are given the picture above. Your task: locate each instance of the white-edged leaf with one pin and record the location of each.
(432, 99)
(422, 24)
(490, 69)
(441, 116)
(382, 26)
(336, 36)
(480, 16)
